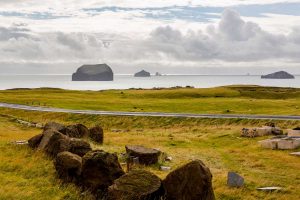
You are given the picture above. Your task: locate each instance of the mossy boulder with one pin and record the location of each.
(137, 184)
(68, 166)
(99, 170)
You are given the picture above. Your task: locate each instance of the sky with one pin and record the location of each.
(168, 36)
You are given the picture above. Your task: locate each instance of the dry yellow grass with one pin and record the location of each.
(217, 143)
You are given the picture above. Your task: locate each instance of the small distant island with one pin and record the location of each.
(142, 73)
(98, 72)
(278, 75)
(158, 74)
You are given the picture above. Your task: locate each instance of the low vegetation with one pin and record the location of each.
(229, 100)
(216, 142)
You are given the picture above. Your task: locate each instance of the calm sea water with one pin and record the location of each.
(128, 81)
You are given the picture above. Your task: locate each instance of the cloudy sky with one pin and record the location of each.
(169, 36)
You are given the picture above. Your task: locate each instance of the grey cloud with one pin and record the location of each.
(231, 40)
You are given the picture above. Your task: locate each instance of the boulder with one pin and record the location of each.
(137, 184)
(146, 156)
(293, 133)
(278, 75)
(192, 181)
(281, 143)
(142, 73)
(262, 131)
(68, 166)
(99, 72)
(234, 180)
(96, 134)
(99, 170)
(53, 142)
(75, 131)
(35, 141)
(55, 126)
(79, 147)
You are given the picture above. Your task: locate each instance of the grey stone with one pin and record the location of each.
(269, 189)
(295, 154)
(234, 180)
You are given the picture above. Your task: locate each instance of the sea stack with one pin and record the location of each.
(278, 75)
(99, 72)
(142, 73)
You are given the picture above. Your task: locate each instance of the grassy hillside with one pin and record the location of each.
(234, 99)
(216, 142)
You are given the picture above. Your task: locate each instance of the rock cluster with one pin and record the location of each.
(100, 172)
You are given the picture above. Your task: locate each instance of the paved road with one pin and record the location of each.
(150, 114)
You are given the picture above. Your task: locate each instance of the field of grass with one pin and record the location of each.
(214, 141)
(25, 174)
(230, 100)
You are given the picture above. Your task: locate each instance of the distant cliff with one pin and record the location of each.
(278, 75)
(142, 73)
(99, 72)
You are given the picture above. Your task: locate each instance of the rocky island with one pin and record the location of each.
(278, 75)
(142, 73)
(99, 72)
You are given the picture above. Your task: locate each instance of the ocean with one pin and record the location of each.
(128, 81)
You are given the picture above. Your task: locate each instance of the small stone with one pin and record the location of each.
(234, 180)
(168, 158)
(295, 154)
(165, 168)
(269, 189)
(21, 142)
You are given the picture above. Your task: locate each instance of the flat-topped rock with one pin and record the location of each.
(99, 72)
(137, 184)
(142, 73)
(147, 156)
(281, 143)
(278, 75)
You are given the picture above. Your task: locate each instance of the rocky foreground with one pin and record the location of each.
(101, 174)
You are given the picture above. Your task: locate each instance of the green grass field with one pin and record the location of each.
(25, 174)
(216, 142)
(233, 99)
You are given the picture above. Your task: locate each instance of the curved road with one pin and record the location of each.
(149, 114)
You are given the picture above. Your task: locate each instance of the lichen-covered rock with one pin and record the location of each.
(192, 181)
(96, 134)
(99, 170)
(137, 184)
(99, 72)
(35, 141)
(79, 147)
(68, 166)
(147, 156)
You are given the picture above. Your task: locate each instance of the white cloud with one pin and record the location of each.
(230, 40)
